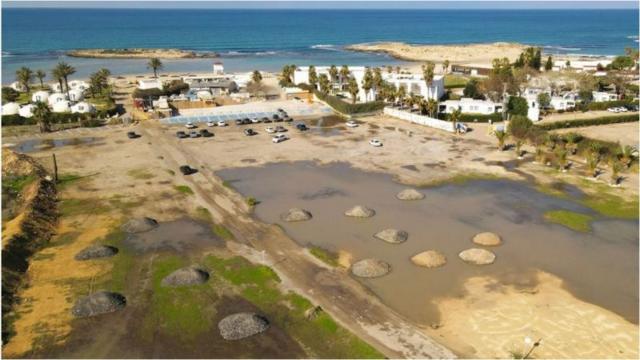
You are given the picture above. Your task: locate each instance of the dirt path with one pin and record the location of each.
(344, 298)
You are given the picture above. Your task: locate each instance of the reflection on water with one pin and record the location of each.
(600, 267)
(31, 145)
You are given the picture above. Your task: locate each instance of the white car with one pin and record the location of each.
(222, 123)
(352, 124)
(211, 124)
(375, 142)
(270, 130)
(279, 138)
(623, 109)
(255, 120)
(190, 125)
(614, 110)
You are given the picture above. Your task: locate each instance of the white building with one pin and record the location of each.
(40, 96)
(581, 64)
(601, 96)
(18, 86)
(564, 102)
(470, 106)
(27, 111)
(61, 107)
(83, 108)
(533, 113)
(56, 98)
(146, 84)
(76, 95)
(10, 108)
(78, 85)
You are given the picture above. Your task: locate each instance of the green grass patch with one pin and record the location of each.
(612, 205)
(218, 230)
(572, 220)
(15, 184)
(171, 172)
(123, 262)
(183, 189)
(320, 336)
(140, 174)
(324, 255)
(459, 179)
(251, 201)
(75, 206)
(454, 81)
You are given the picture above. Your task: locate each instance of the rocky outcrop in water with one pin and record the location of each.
(360, 211)
(96, 252)
(139, 225)
(429, 259)
(477, 256)
(370, 268)
(296, 214)
(487, 239)
(410, 194)
(242, 325)
(102, 302)
(392, 236)
(186, 277)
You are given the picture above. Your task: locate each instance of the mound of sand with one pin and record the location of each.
(477, 256)
(296, 214)
(370, 268)
(139, 225)
(96, 252)
(102, 302)
(429, 259)
(487, 239)
(392, 236)
(185, 277)
(410, 194)
(360, 211)
(242, 325)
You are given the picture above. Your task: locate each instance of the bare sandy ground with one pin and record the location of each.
(578, 115)
(479, 54)
(626, 133)
(434, 155)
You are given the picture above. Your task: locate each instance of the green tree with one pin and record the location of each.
(445, 65)
(615, 167)
(625, 154)
(325, 84)
(544, 100)
(432, 108)
(42, 115)
(40, 74)
(471, 89)
(313, 77)
(256, 77)
(352, 88)
(518, 129)
(561, 158)
(333, 73)
(155, 64)
(428, 73)
(501, 136)
(286, 75)
(454, 116)
(345, 75)
(572, 140)
(517, 106)
(24, 76)
(62, 71)
(401, 93)
(367, 82)
(9, 95)
(548, 66)
(621, 63)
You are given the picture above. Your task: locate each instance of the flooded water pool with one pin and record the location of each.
(32, 145)
(600, 267)
(179, 236)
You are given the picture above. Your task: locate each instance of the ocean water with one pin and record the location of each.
(267, 39)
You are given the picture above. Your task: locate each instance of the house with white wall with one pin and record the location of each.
(146, 84)
(601, 96)
(470, 106)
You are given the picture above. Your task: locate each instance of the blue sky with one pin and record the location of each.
(309, 4)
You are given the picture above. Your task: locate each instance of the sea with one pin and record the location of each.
(268, 39)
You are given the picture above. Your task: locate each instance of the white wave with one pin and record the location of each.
(325, 47)
(261, 53)
(561, 48)
(632, 37)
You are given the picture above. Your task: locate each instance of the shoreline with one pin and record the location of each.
(139, 53)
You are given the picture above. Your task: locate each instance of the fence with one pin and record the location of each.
(419, 119)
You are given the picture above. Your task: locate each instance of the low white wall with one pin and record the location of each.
(419, 119)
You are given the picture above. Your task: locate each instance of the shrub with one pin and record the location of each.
(173, 88)
(477, 117)
(604, 105)
(342, 106)
(589, 122)
(517, 106)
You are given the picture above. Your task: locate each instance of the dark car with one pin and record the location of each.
(187, 170)
(249, 132)
(280, 128)
(288, 119)
(181, 134)
(301, 127)
(194, 134)
(281, 110)
(266, 120)
(205, 133)
(132, 135)
(275, 117)
(632, 107)
(246, 121)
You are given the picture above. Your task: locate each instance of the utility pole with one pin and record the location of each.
(55, 169)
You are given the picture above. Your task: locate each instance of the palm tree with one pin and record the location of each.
(561, 157)
(155, 64)
(24, 75)
(40, 74)
(572, 140)
(286, 75)
(352, 87)
(63, 71)
(501, 135)
(367, 83)
(432, 109)
(42, 113)
(454, 116)
(428, 73)
(256, 77)
(57, 74)
(345, 74)
(333, 72)
(616, 167)
(313, 77)
(445, 66)
(593, 158)
(401, 93)
(389, 69)
(626, 155)
(325, 84)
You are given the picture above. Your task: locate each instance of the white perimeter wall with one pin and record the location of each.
(419, 119)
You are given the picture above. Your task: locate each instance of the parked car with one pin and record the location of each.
(205, 133)
(275, 117)
(352, 124)
(255, 120)
(181, 134)
(190, 125)
(187, 170)
(279, 138)
(623, 109)
(281, 128)
(266, 120)
(194, 134)
(222, 123)
(288, 119)
(249, 132)
(301, 127)
(211, 124)
(375, 142)
(632, 107)
(132, 135)
(246, 121)
(239, 122)
(270, 130)
(461, 128)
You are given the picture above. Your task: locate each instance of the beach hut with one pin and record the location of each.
(17, 86)
(76, 95)
(10, 108)
(26, 111)
(40, 96)
(56, 98)
(78, 85)
(56, 87)
(61, 107)
(83, 108)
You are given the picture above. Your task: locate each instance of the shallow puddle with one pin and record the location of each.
(32, 145)
(175, 236)
(600, 267)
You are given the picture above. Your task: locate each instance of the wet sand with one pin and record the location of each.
(595, 266)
